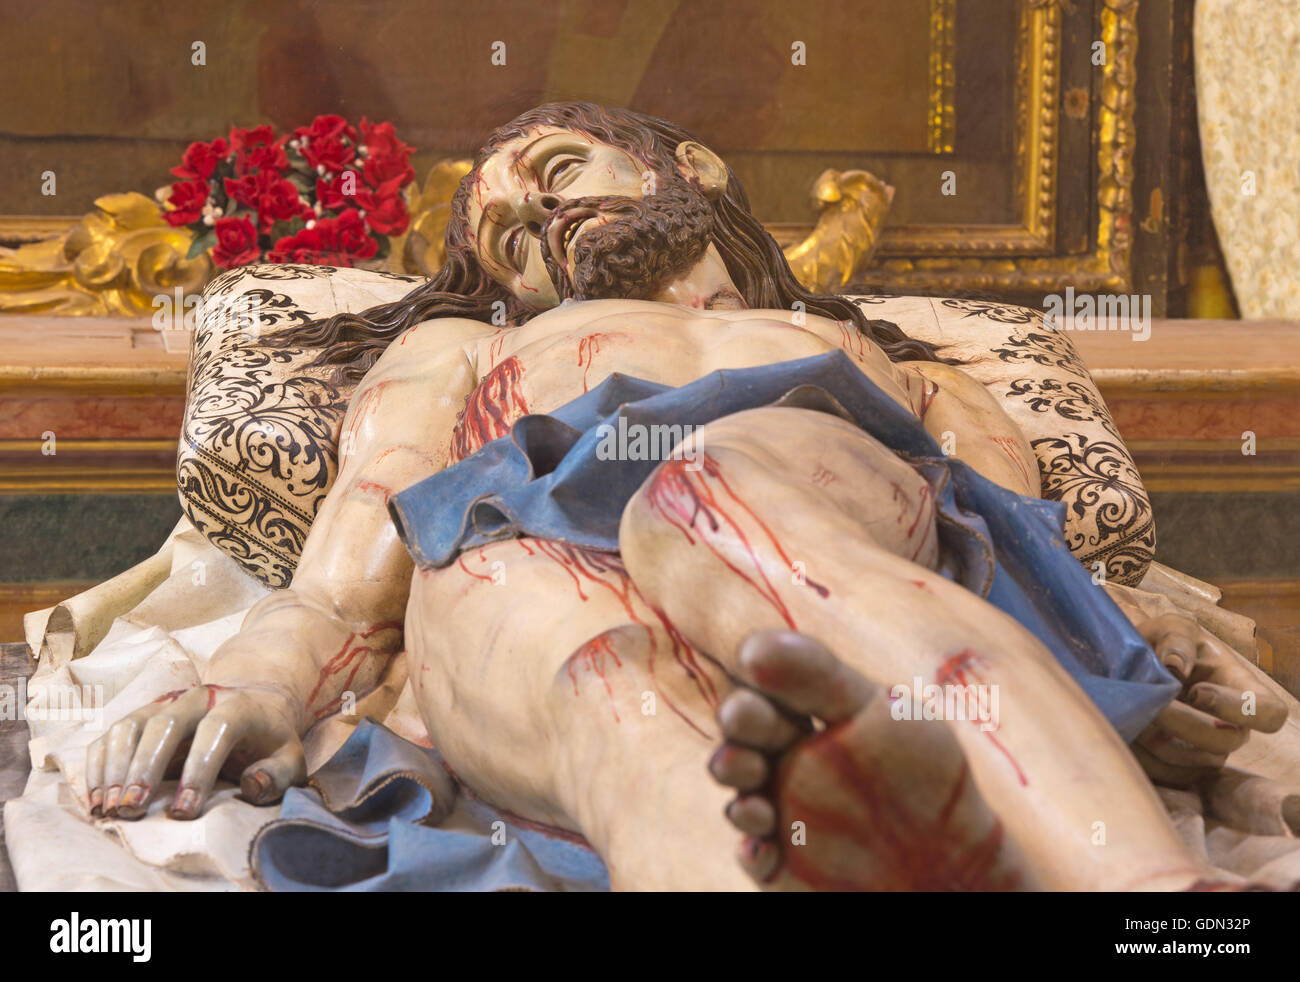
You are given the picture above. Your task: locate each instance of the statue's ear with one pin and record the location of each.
(697, 162)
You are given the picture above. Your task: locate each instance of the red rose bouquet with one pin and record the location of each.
(324, 194)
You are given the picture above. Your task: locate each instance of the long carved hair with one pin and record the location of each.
(461, 288)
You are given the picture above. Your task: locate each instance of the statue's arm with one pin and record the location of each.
(334, 630)
(968, 423)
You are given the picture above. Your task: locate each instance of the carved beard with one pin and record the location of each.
(646, 242)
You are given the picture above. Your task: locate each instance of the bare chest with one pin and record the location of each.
(553, 360)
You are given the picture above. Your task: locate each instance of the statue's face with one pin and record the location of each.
(519, 188)
(555, 214)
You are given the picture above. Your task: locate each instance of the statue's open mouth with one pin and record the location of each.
(563, 230)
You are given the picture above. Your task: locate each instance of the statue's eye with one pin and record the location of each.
(513, 251)
(558, 166)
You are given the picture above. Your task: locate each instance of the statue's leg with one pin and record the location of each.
(557, 694)
(798, 520)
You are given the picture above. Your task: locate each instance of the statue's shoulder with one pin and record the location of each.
(436, 340)
(443, 332)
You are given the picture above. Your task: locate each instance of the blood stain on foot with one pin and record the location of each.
(911, 852)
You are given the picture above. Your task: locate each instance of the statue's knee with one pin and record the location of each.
(610, 667)
(664, 498)
(779, 461)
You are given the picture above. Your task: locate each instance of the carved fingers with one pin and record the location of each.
(213, 730)
(146, 752)
(1215, 678)
(1210, 735)
(1220, 703)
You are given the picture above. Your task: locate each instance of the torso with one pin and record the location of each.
(480, 658)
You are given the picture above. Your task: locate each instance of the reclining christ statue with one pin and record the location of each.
(686, 648)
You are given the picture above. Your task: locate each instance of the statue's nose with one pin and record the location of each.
(534, 209)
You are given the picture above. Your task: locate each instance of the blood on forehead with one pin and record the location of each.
(506, 166)
(486, 182)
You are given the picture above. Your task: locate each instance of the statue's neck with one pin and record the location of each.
(705, 286)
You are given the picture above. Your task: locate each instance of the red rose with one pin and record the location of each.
(263, 158)
(329, 142)
(249, 189)
(387, 157)
(242, 141)
(389, 217)
(353, 236)
(385, 210)
(331, 241)
(327, 128)
(186, 200)
(236, 243)
(201, 159)
(381, 140)
(332, 192)
(378, 170)
(278, 200)
(314, 245)
(331, 154)
(303, 247)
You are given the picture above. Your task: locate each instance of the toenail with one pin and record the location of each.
(719, 757)
(723, 759)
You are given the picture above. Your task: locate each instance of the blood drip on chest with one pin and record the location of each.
(496, 402)
(1009, 447)
(588, 348)
(853, 341)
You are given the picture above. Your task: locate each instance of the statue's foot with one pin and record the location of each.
(856, 800)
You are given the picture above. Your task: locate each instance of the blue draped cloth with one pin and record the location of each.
(383, 815)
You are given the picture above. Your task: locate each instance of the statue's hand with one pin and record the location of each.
(1220, 703)
(245, 731)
